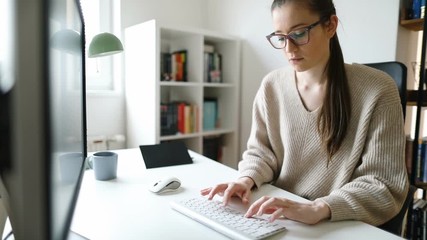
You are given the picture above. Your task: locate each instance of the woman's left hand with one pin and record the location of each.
(309, 213)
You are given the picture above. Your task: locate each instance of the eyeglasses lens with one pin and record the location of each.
(297, 38)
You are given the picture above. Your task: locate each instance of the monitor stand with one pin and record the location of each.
(75, 236)
(8, 235)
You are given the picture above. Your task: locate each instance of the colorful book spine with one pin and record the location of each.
(179, 118)
(174, 66)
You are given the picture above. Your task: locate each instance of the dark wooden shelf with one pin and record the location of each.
(413, 24)
(422, 185)
(412, 96)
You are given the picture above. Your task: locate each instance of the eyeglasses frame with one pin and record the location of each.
(287, 37)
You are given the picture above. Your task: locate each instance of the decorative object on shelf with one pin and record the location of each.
(104, 44)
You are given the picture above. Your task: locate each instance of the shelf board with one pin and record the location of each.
(174, 83)
(218, 131)
(179, 136)
(412, 96)
(194, 84)
(218, 84)
(413, 24)
(422, 185)
(205, 133)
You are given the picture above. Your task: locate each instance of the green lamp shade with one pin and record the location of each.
(104, 44)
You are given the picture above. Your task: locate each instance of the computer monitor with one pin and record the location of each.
(42, 114)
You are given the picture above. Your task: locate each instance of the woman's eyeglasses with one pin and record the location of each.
(298, 37)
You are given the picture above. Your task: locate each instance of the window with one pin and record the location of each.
(103, 73)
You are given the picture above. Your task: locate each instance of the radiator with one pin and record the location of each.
(102, 142)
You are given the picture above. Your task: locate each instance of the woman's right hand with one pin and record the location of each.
(240, 188)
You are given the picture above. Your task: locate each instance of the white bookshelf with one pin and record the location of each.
(144, 43)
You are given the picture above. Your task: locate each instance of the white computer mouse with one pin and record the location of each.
(165, 184)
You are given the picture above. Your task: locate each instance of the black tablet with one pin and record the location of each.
(165, 154)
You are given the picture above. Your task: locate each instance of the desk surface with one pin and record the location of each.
(123, 208)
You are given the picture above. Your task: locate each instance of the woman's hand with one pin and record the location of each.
(240, 188)
(309, 213)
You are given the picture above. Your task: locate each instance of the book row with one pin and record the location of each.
(179, 117)
(420, 166)
(173, 66)
(183, 117)
(415, 8)
(419, 217)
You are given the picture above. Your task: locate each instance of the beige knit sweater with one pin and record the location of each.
(366, 179)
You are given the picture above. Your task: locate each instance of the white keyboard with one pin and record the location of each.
(227, 220)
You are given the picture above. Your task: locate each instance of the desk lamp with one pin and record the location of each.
(104, 44)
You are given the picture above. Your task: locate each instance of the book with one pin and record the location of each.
(179, 65)
(210, 113)
(416, 9)
(187, 119)
(181, 116)
(408, 153)
(165, 67)
(168, 123)
(423, 161)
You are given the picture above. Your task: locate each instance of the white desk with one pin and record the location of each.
(124, 208)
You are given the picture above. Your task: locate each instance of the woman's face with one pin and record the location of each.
(315, 54)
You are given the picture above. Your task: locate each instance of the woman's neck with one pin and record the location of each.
(311, 87)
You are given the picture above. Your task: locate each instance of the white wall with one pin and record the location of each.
(105, 114)
(182, 12)
(368, 33)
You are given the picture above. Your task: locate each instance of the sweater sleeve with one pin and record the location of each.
(379, 183)
(259, 161)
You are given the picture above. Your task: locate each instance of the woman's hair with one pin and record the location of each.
(334, 117)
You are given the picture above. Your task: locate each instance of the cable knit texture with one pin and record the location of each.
(366, 179)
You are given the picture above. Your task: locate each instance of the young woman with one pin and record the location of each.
(325, 130)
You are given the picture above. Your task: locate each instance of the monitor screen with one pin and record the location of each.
(67, 111)
(42, 114)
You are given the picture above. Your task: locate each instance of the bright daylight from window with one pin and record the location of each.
(102, 73)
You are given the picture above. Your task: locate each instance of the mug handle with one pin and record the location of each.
(89, 162)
